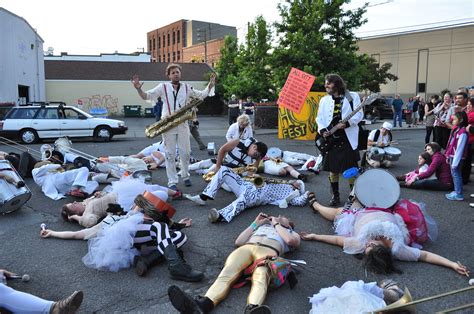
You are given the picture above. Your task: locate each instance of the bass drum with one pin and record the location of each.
(11, 197)
(377, 188)
(392, 153)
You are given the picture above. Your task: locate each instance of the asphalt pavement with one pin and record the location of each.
(56, 268)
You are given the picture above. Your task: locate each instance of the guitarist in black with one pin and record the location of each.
(342, 152)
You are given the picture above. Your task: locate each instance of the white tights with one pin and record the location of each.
(20, 302)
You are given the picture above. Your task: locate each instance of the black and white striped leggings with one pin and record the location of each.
(153, 235)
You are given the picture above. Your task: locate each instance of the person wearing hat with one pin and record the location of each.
(234, 109)
(379, 138)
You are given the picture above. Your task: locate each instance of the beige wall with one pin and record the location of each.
(450, 59)
(112, 95)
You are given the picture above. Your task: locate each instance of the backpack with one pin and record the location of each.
(414, 219)
(279, 268)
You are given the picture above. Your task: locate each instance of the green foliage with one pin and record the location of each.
(315, 36)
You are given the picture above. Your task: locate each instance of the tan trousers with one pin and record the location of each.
(236, 262)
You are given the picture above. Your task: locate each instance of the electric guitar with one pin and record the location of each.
(324, 144)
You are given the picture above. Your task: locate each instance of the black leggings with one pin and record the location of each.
(429, 130)
(431, 184)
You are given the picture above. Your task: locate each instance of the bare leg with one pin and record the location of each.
(328, 213)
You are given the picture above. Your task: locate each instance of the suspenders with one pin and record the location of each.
(175, 97)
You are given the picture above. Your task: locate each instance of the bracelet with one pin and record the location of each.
(253, 225)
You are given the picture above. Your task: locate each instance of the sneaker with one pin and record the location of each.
(195, 199)
(187, 182)
(214, 215)
(472, 195)
(173, 187)
(453, 196)
(471, 205)
(68, 305)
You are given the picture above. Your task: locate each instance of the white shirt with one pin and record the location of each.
(325, 115)
(382, 140)
(234, 133)
(167, 94)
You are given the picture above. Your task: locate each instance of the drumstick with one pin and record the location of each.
(465, 272)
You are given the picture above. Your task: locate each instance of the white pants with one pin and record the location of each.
(20, 302)
(64, 181)
(274, 168)
(296, 159)
(180, 136)
(247, 194)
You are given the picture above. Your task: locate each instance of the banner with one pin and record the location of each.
(300, 126)
(296, 88)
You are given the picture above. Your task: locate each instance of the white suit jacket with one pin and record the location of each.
(325, 114)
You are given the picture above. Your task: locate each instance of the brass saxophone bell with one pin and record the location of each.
(398, 306)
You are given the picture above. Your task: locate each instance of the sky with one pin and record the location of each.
(106, 26)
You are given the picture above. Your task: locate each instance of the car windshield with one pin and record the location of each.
(83, 112)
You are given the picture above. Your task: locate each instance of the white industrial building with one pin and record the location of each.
(21, 60)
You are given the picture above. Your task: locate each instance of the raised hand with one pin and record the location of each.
(136, 81)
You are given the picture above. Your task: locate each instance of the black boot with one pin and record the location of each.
(335, 200)
(143, 263)
(257, 309)
(178, 268)
(184, 303)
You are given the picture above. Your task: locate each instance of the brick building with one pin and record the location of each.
(168, 43)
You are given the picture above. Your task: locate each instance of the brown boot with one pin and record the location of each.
(68, 305)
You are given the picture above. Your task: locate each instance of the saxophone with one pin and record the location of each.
(239, 170)
(178, 117)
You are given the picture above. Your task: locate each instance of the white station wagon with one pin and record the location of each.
(34, 122)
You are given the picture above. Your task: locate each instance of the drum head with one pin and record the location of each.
(14, 203)
(392, 150)
(377, 188)
(274, 152)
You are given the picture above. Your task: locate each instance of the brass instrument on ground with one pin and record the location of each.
(239, 170)
(407, 304)
(178, 117)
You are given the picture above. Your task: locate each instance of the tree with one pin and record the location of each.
(227, 66)
(317, 37)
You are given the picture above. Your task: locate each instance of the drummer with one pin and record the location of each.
(379, 138)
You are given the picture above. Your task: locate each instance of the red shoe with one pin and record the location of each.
(77, 193)
(177, 196)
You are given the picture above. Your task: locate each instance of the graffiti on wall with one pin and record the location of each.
(300, 126)
(99, 101)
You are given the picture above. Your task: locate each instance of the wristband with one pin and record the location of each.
(253, 225)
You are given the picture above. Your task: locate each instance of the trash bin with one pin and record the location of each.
(99, 112)
(132, 110)
(149, 113)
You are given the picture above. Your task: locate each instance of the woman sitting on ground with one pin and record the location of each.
(379, 234)
(424, 161)
(241, 129)
(439, 167)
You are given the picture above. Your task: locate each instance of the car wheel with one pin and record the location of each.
(103, 133)
(28, 136)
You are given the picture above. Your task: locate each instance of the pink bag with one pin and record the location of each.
(414, 220)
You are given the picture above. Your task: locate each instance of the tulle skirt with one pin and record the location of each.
(113, 249)
(128, 188)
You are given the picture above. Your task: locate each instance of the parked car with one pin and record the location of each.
(381, 108)
(37, 121)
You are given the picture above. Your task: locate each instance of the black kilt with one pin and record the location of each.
(341, 156)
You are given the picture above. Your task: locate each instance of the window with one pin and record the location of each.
(164, 58)
(149, 46)
(159, 58)
(159, 42)
(421, 87)
(23, 113)
(153, 43)
(179, 55)
(174, 38)
(178, 38)
(163, 40)
(169, 57)
(48, 113)
(174, 56)
(72, 114)
(168, 39)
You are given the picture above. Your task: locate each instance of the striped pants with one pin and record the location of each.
(153, 235)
